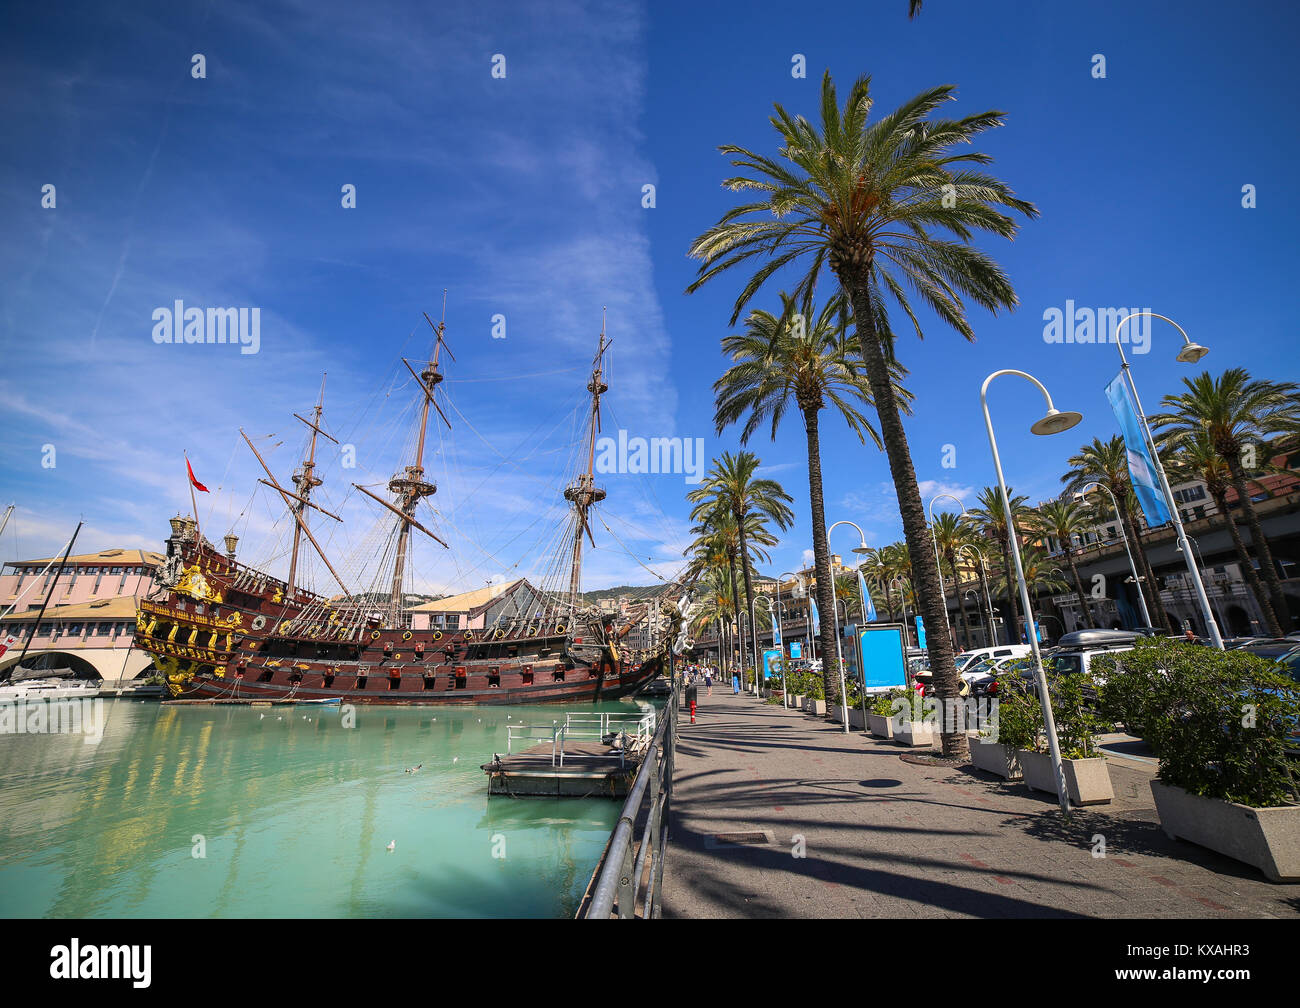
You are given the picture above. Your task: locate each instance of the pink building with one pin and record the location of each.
(89, 624)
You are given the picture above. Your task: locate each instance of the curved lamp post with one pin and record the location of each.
(1189, 354)
(984, 579)
(859, 549)
(1053, 423)
(934, 538)
(785, 692)
(1137, 581)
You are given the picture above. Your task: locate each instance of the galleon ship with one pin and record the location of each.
(223, 630)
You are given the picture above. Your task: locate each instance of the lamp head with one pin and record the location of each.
(1056, 421)
(1191, 353)
(862, 549)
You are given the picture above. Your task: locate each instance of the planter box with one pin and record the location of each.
(1087, 781)
(817, 707)
(913, 733)
(880, 726)
(797, 702)
(1267, 838)
(855, 718)
(996, 758)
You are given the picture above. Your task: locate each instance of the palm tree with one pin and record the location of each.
(804, 358)
(1106, 462)
(991, 519)
(731, 486)
(1198, 459)
(1065, 519)
(1040, 576)
(950, 533)
(880, 204)
(1237, 412)
(718, 539)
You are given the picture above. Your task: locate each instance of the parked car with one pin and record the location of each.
(969, 658)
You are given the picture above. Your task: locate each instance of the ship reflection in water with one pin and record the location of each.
(286, 812)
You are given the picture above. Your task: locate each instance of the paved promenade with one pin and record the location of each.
(884, 838)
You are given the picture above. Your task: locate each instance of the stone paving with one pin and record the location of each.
(884, 838)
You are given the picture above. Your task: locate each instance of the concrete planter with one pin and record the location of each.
(817, 707)
(915, 734)
(996, 758)
(855, 718)
(880, 726)
(1087, 781)
(797, 702)
(1267, 838)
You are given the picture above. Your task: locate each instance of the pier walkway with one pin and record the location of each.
(884, 838)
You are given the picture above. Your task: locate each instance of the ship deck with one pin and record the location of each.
(590, 769)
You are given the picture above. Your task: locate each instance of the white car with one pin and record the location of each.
(968, 659)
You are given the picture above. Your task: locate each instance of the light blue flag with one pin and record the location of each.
(1141, 471)
(868, 607)
(776, 632)
(813, 602)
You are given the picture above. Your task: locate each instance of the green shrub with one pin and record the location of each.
(883, 705)
(1018, 719)
(1219, 720)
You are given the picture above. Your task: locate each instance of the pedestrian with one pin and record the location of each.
(1190, 636)
(708, 681)
(735, 682)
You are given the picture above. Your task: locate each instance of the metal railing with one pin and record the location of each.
(584, 727)
(632, 873)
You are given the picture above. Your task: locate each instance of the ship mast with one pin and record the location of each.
(583, 492)
(305, 481)
(410, 485)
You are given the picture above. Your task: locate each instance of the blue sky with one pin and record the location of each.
(523, 197)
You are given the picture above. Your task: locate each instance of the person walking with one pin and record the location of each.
(735, 682)
(708, 681)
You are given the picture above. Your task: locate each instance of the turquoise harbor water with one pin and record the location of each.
(293, 813)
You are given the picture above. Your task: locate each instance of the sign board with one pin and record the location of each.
(920, 631)
(1024, 632)
(771, 663)
(882, 656)
(796, 649)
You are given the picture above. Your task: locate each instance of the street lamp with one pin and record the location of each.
(785, 679)
(1190, 353)
(1054, 422)
(860, 549)
(934, 538)
(902, 600)
(1200, 559)
(1137, 581)
(984, 581)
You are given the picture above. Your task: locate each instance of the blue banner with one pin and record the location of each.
(796, 649)
(1140, 469)
(868, 607)
(776, 632)
(920, 631)
(815, 618)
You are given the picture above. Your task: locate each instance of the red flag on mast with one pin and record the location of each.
(190, 470)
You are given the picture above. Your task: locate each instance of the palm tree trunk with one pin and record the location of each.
(1281, 612)
(735, 601)
(1156, 606)
(822, 563)
(925, 572)
(1243, 559)
(1013, 631)
(957, 594)
(749, 598)
(1078, 586)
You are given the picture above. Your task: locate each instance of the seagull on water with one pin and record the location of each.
(391, 844)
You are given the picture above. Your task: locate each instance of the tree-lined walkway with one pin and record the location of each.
(884, 838)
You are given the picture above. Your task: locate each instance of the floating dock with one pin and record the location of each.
(586, 756)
